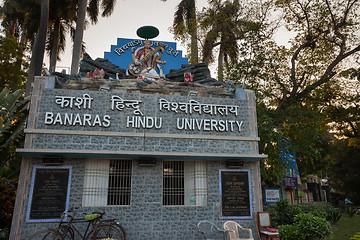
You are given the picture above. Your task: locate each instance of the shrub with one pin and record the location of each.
(313, 227)
(289, 232)
(334, 215)
(306, 227)
(282, 213)
(319, 209)
(351, 210)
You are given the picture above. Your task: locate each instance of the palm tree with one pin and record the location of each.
(224, 27)
(185, 23)
(15, 14)
(10, 16)
(24, 16)
(37, 55)
(78, 36)
(93, 10)
(62, 16)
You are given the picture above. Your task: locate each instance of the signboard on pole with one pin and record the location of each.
(271, 195)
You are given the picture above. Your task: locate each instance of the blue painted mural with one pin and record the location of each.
(120, 54)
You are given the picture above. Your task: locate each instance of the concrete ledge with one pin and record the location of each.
(29, 152)
(144, 135)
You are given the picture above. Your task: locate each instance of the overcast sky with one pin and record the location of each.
(127, 17)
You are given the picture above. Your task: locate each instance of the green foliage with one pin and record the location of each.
(319, 209)
(12, 120)
(282, 213)
(302, 123)
(7, 202)
(185, 27)
(343, 170)
(297, 88)
(312, 227)
(13, 64)
(224, 24)
(306, 227)
(334, 215)
(355, 237)
(351, 210)
(272, 168)
(289, 232)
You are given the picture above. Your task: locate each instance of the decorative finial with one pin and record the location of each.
(147, 32)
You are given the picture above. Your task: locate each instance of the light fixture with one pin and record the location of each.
(234, 164)
(52, 161)
(146, 162)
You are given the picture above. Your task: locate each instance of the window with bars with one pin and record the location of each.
(107, 182)
(184, 183)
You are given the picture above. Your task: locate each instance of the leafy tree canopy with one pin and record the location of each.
(343, 170)
(304, 91)
(13, 64)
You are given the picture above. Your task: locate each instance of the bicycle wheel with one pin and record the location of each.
(47, 234)
(106, 232)
(67, 233)
(120, 228)
(115, 223)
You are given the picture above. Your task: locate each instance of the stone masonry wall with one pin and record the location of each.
(145, 217)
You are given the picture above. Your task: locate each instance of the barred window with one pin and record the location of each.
(107, 182)
(184, 183)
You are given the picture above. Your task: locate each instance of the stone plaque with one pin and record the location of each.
(235, 192)
(49, 193)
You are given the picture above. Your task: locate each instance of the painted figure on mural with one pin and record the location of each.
(146, 61)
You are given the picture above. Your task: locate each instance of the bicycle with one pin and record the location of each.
(97, 228)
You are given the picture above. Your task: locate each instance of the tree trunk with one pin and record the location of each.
(55, 46)
(221, 64)
(194, 59)
(194, 49)
(78, 38)
(209, 45)
(37, 55)
(11, 28)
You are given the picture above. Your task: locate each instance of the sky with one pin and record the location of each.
(127, 17)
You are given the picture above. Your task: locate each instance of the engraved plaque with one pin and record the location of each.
(235, 194)
(49, 193)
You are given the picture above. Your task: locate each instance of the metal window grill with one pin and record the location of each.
(173, 183)
(95, 183)
(119, 190)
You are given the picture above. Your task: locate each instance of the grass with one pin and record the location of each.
(346, 227)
